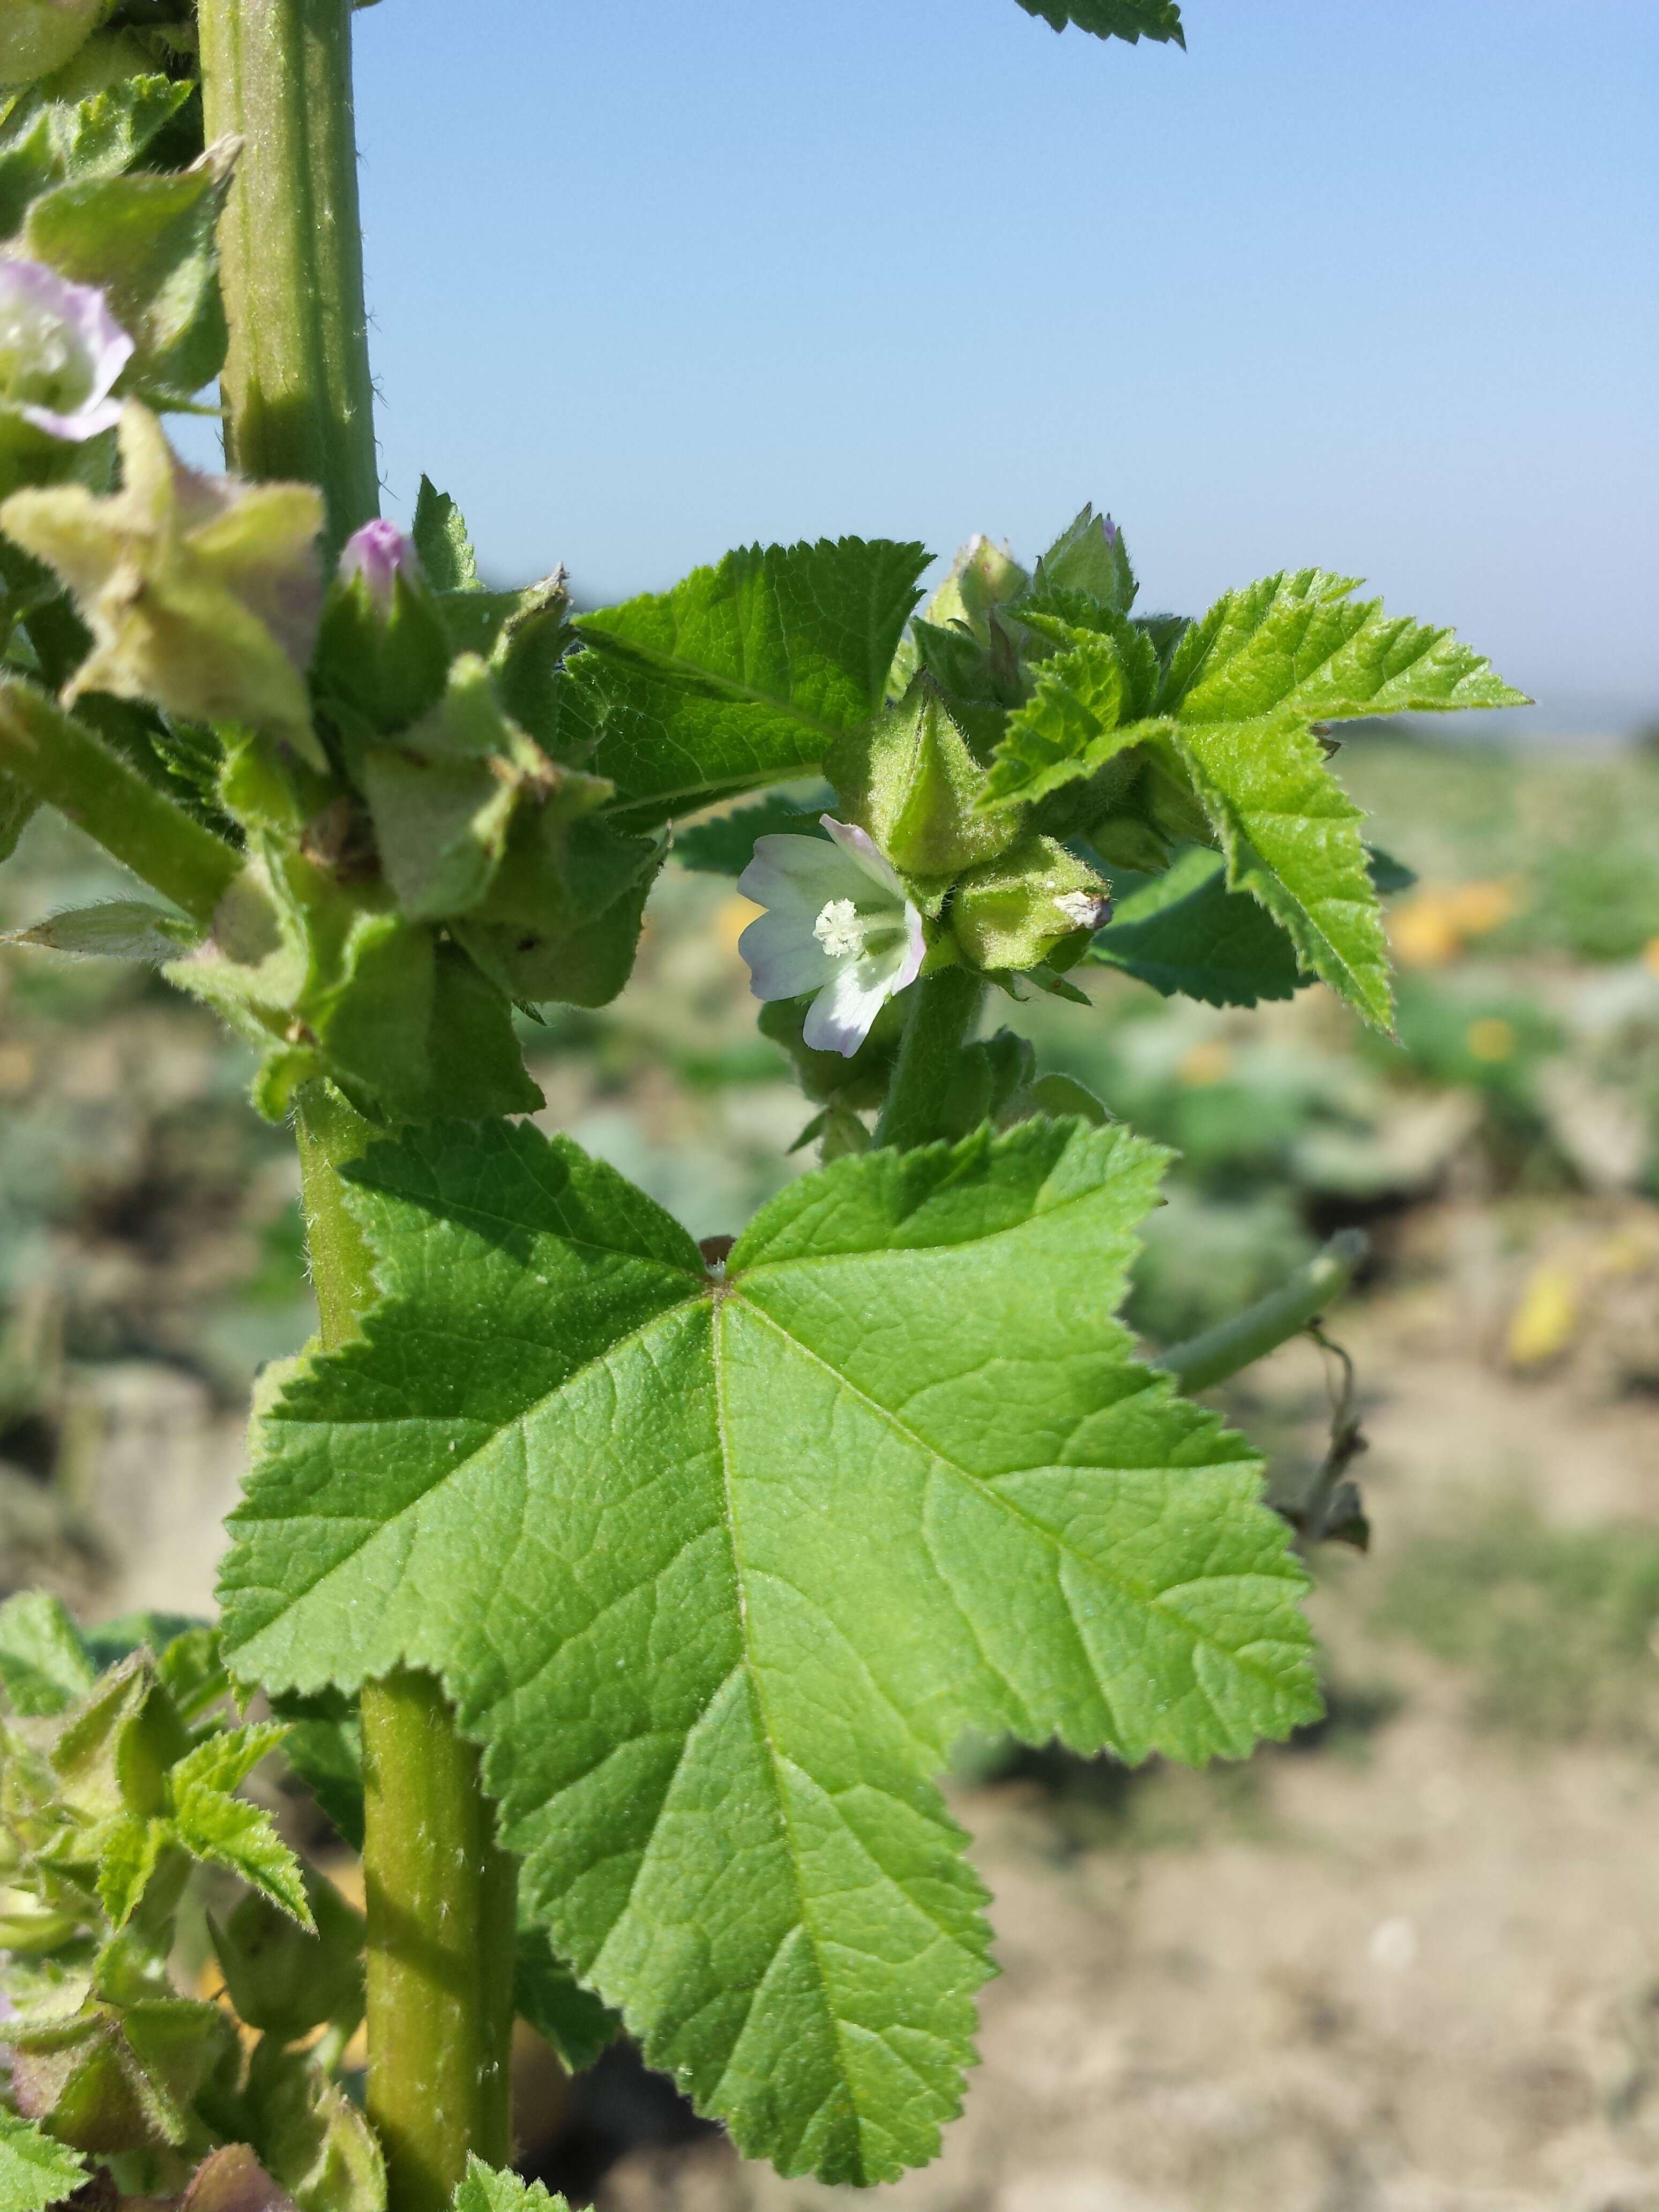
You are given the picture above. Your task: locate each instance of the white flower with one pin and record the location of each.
(61, 351)
(837, 922)
(1085, 909)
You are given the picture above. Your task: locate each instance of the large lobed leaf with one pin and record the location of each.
(742, 674)
(1132, 20)
(719, 1566)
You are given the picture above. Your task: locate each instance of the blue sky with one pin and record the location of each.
(1370, 284)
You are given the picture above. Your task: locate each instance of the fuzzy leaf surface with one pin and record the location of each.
(742, 674)
(1187, 933)
(35, 2171)
(718, 1568)
(726, 846)
(44, 142)
(1132, 20)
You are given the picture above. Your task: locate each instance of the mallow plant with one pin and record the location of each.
(620, 1598)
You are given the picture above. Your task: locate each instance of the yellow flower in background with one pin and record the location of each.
(1434, 926)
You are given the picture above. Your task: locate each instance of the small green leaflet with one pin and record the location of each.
(1186, 933)
(719, 1567)
(35, 2172)
(44, 1666)
(1233, 716)
(726, 846)
(1088, 704)
(117, 929)
(488, 2189)
(44, 142)
(1245, 685)
(440, 533)
(742, 674)
(1132, 20)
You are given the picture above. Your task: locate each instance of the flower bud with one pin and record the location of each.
(1024, 907)
(37, 36)
(983, 576)
(912, 780)
(383, 651)
(379, 554)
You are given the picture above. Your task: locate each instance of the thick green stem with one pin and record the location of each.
(60, 761)
(440, 1892)
(944, 1009)
(1234, 1345)
(277, 74)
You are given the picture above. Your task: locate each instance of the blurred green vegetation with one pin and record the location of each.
(1555, 1627)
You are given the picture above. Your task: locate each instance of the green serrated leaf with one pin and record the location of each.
(545, 1992)
(44, 1666)
(983, 1512)
(35, 2171)
(1186, 933)
(44, 142)
(1086, 709)
(1133, 20)
(229, 1832)
(441, 539)
(213, 1824)
(491, 2189)
(726, 847)
(744, 674)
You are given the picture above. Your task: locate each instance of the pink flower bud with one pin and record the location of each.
(377, 553)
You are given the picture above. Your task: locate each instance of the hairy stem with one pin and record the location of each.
(277, 74)
(1233, 1344)
(440, 1892)
(944, 1009)
(60, 761)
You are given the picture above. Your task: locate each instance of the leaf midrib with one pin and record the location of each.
(983, 1487)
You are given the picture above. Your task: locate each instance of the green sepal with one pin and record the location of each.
(983, 577)
(310, 2136)
(1013, 913)
(44, 1665)
(283, 1979)
(563, 917)
(201, 595)
(445, 799)
(1088, 562)
(109, 2078)
(911, 780)
(853, 1084)
(327, 979)
(523, 635)
(374, 674)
